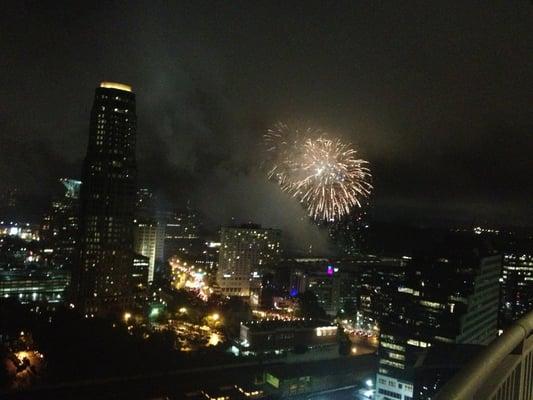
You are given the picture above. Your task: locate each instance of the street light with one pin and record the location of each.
(127, 316)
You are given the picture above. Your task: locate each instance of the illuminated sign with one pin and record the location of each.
(272, 380)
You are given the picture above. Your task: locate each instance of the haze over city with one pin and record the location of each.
(436, 98)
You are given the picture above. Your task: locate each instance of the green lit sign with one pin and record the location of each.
(272, 380)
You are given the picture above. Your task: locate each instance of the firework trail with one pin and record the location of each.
(324, 174)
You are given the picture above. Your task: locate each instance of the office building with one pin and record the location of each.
(377, 292)
(60, 227)
(140, 272)
(293, 340)
(146, 230)
(516, 285)
(334, 282)
(108, 198)
(246, 253)
(450, 296)
(208, 258)
(34, 284)
(25, 231)
(145, 241)
(182, 235)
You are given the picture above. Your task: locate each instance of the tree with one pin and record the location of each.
(235, 311)
(309, 307)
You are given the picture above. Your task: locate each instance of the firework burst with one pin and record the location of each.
(324, 174)
(285, 146)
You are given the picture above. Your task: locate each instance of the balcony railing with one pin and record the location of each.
(502, 371)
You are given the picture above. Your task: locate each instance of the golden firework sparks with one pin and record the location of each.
(324, 174)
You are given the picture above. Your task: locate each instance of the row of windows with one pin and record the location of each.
(389, 393)
(392, 363)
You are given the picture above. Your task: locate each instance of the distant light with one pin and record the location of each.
(182, 310)
(369, 383)
(354, 350)
(115, 85)
(127, 316)
(215, 317)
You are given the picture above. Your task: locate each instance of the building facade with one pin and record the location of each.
(34, 285)
(145, 242)
(108, 196)
(450, 296)
(517, 286)
(182, 234)
(246, 253)
(60, 227)
(296, 340)
(379, 280)
(334, 282)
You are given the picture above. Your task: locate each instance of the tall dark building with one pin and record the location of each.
(516, 286)
(108, 197)
(450, 297)
(348, 234)
(182, 234)
(146, 230)
(60, 226)
(379, 280)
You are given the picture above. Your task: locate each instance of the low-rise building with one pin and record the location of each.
(29, 285)
(319, 378)
(295, 340)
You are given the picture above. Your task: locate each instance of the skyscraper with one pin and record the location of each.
(60, 226)
(450, 296)
(107, 200)
(517, 285)
(245, 253)
(182, 236)
(145, 241)
(145, 230)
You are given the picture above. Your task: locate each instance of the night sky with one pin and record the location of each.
(436, 95)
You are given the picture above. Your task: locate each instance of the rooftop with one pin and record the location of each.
(116, 85)
(273, 324)
(361, 364)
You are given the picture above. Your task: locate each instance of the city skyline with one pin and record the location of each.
(266, 200)
(450, 142)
